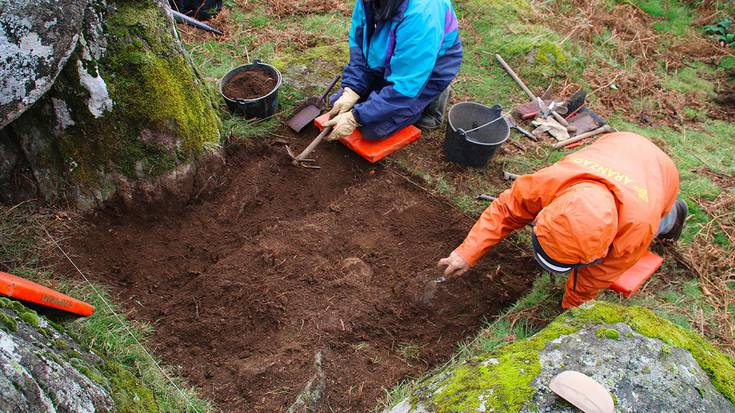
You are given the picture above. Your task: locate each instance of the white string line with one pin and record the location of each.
(109, 307)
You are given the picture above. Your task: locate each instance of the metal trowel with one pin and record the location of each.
(430, 289)
(309, 110)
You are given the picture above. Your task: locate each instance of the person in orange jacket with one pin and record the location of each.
(594, 214)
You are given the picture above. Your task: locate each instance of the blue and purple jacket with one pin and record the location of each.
(399, 66)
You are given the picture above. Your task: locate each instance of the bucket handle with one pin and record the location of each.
(464, 132)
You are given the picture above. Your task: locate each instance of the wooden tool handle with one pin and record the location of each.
(515, 77)
(559, 118)
(312, 145)
(330, 87)
(603, 129)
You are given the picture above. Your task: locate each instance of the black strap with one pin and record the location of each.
(574, 274)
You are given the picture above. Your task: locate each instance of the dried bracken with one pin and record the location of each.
(630, 81)
(300, 7)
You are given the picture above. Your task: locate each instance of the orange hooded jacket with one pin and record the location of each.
(643, 183)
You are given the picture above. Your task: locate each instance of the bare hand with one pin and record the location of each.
(456, 265)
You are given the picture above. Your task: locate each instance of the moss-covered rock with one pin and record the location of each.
(647, 363)
(127, 106)
(36, 374)
(43, 369)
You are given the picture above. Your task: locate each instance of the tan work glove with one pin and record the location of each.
(343, 125)
(345, 102)
(456, 265)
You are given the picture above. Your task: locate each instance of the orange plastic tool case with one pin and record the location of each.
(633, 279)
(24, 290)
(374, 151)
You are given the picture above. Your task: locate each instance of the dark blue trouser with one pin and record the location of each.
(439, 80)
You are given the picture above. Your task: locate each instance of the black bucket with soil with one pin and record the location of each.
(252, 90)
(474, 134)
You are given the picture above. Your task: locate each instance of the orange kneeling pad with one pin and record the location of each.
(631, 280)
(24, 290)
(374, 151)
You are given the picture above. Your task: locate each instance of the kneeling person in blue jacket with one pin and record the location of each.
(403, 56)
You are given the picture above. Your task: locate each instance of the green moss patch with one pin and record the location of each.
(22, 313)
(8, 322)
(155, 87)
(609, 333)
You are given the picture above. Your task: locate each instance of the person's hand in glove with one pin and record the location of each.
(456, 265)
(343, 125)
(345, 102)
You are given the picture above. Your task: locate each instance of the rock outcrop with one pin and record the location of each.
(97, 95)
(36, 39)
(646, 363)
(44, 370)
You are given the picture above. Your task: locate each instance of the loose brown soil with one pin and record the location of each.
(280, 263)
(249, 84)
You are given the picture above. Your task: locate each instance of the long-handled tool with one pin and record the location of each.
(301, 159)
(182, 18)
(513, 125)
(310, 109)
(486, 197)
(604, 129)
(525, 88)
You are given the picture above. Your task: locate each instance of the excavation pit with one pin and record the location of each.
(246, 285)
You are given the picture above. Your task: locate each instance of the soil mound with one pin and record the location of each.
(249, 84)
(281, 263)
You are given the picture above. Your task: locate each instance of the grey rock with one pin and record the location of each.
(36, 39)
(644, 374)
(310, 397)
(39, 371)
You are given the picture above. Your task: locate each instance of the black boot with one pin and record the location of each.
(433, 115)
(681, 210)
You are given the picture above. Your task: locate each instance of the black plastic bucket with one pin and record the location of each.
(261, 107)
(474, 134)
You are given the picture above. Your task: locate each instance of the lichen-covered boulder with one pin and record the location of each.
(645, 362)
(127, 107)
(42, 369)
(36, 39)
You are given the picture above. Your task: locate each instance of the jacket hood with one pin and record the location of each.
(579, 225)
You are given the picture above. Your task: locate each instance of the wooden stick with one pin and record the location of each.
(300, 158)
(559, 118)
(525, 88)
(603, 129)
(515, 77)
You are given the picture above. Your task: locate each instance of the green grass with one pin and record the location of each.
(501, 27)
(691, 80)
(672, 16)
(409, 352)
